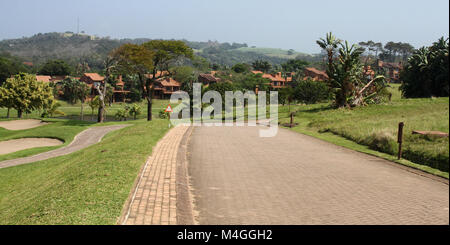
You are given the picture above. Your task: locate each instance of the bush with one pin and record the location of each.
(163, 114)
(122, 114)
(426, 74)
(311, 92)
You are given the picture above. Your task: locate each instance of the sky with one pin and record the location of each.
(287, 24)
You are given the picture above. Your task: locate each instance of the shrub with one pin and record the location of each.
(163, 114)
(311, 92)
(122, 114)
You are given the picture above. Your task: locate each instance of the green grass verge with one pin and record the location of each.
(375, 127)
(86, 187)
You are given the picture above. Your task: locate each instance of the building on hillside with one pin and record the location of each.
(120, 93)
(277, 81)
(27, 63)
(165, 87)
(315, 74)
(208, 79)
(56, 79)
(390, 70)
(91, 78)
(45, 79)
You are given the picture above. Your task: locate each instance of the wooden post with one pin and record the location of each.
(292, 119)
(400, 139)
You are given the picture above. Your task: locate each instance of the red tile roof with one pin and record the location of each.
(43, 78)
(318, 72)
(169, 82)
(209, 77)
(94, 77)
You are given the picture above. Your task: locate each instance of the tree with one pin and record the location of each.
(93, 104)
(346, 77)
(26, 94)
(261, 65)
(55, 68)
(102, 88)
(294, 65)
(241, 68)
(165, 53)
(10, 66)
(6, 99)
(427, 72)
(330, 45)
(52, 109)
(74, 91)
(311, 92)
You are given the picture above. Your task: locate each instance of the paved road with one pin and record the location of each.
(239, 178)
(84, 139)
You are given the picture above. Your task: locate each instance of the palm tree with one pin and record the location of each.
(329, 44)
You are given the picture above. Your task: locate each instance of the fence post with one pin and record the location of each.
(400, 139)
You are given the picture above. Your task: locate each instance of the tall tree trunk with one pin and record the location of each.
(7, 113)
(101, 111)
(19, 113)
(149, 101)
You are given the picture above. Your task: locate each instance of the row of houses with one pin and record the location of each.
(163, 88)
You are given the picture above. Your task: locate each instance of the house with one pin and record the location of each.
(277, 81)
(163, 88)
(315, 74)
(91, 78)
(119, 91)
(207, 79)
(391, 70)
(45, 79)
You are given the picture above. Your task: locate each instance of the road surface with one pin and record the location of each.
(239, 178)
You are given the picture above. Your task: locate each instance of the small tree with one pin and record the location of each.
(27, 94)
(75, 90)
(93, 104)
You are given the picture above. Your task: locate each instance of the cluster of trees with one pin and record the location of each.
(427, 72)
(25, 94)
(10, 65)
(390, 52)
(346, 77)
(155, 57)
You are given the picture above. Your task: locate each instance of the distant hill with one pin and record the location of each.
(76, 48)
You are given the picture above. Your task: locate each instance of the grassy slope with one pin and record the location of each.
(86, 187)
(361, 125)
(273, 52)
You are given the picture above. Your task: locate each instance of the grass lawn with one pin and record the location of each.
(86, 187)
(374, 128)
(73, 111)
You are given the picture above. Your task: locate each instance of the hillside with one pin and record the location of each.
(75, 48)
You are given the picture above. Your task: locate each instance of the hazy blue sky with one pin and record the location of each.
(264, 23)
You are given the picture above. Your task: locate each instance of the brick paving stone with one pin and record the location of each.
(154, 199)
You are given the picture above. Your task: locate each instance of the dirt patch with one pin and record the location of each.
(10, 146)
(22, 124)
